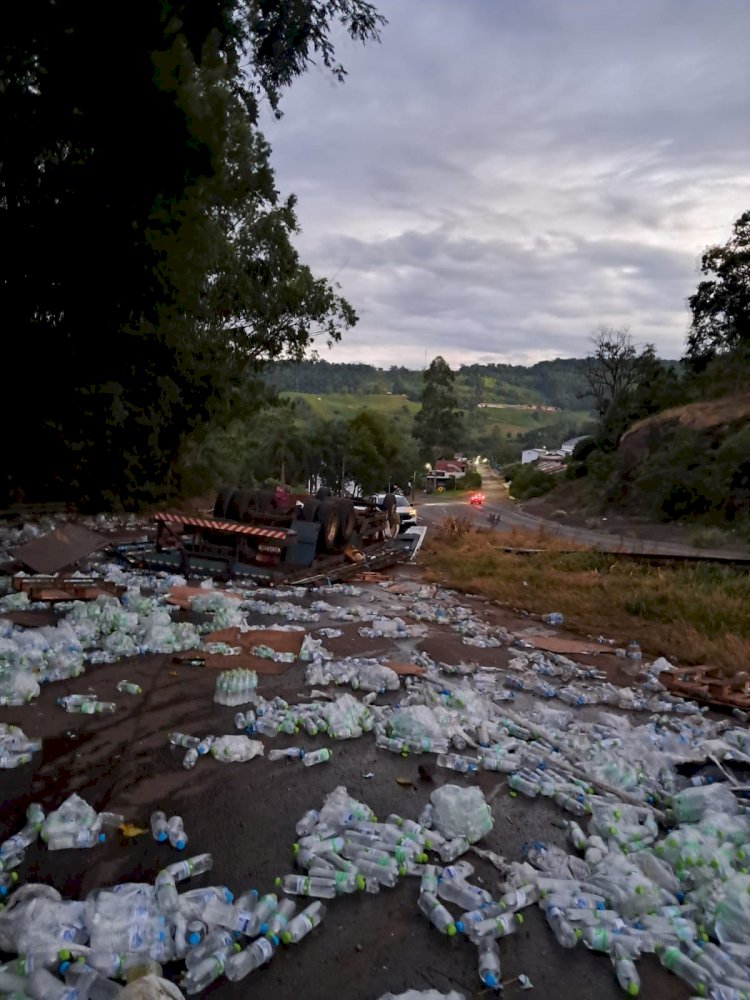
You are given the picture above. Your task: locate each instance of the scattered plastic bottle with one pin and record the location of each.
(305, 921)
(128, 687)
(281, 917)
(242, 963)
(289, 753)
(80, 839)
(166, 892)
(307, 824)
(455, 762)
(567, 935)
(176, 833)
(183, 740)
(488, 955)
(500, 926)
(519, 783)
(190, 867)
(208, 971)
(90, 983)
(553, 618)
(437, 914)
(633, 651)
(240, 721)
(686, 969)
(205, 745)
(317, 757)
(190, 759)
(159, 826)
(627, 974)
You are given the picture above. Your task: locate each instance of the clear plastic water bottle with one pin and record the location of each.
(452, 849)
(455, 762)
(519, 783)
(201, 976)
(159, 826)
(240, 721)
(289, 753)
(205, 745)
(280, 919)
(437, 914)
(218, 940)
(567, 935)
(190, 759)
(183, 740)
(90, 983)
(685, 968)
(190, 867)
(463, 894)
(176, 833)
(128, 687)
(553, 618)
(259, 953)
(317, 757)
(166, 892)
(633, 651)
(500, 926)
(517, 899)
(307, 824)
(627, 974)
(44, 986)
(488, 955)
(429, 882)
(76, 838)
(305, 921)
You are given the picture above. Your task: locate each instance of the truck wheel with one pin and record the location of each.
(220, 507)
(348, 518)
(390, 506)
(330, 522)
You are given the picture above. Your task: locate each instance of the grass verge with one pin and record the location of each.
(695, 614)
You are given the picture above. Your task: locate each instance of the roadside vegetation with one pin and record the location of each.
(693, 614)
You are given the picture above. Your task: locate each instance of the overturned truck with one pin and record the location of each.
(276, 536)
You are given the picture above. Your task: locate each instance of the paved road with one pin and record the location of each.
(433, 509)
(245, 815)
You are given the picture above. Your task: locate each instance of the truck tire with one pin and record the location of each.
(220, 507)
(348, 520)
(330, 523)
(390, 506)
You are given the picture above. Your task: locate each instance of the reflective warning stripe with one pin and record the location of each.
(231, 526)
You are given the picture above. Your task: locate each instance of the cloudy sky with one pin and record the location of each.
(497, 177)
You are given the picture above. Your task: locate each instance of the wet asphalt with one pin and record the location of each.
(245, 815)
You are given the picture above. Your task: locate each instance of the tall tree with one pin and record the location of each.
(721, 305)
(438, 425)
(152, 264)
(614, 368)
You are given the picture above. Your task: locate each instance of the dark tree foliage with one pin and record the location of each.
(721, 304)
(149, 266)
(438, 425)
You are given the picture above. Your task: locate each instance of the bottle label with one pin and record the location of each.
(520, 898)
(266, 948)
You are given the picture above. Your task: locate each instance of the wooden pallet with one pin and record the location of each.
(65, 588)
(703, 683)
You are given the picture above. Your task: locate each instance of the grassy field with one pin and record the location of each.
(512, 421)
(695, 614)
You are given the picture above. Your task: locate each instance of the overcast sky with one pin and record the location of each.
(497, 177)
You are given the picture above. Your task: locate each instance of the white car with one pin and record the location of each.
(407, 514)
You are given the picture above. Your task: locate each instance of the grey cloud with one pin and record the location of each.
(498, 177)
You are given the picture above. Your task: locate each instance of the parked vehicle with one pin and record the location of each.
(407, 514)
(477, 499)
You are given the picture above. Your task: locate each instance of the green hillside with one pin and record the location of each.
(329, 406)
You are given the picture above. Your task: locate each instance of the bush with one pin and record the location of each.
(529, 482)
(471, 480)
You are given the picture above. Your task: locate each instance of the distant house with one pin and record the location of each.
(568, 447)
(550, 466)
(538, 454)
(450, 466)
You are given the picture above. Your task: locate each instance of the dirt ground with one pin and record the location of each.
(245, 814)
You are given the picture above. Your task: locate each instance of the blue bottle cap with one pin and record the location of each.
(193, 938)
(62, 967)
(180, 845)
(459, 926)
(489, 980)
(263, 928)
(161, 837)
(102, 837)
(3, 890)
(228, 895)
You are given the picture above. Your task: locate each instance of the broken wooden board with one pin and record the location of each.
(280, 642)
(183, 596)
(701, 684)
(404, 669)
(60, 548)
(559, 644)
